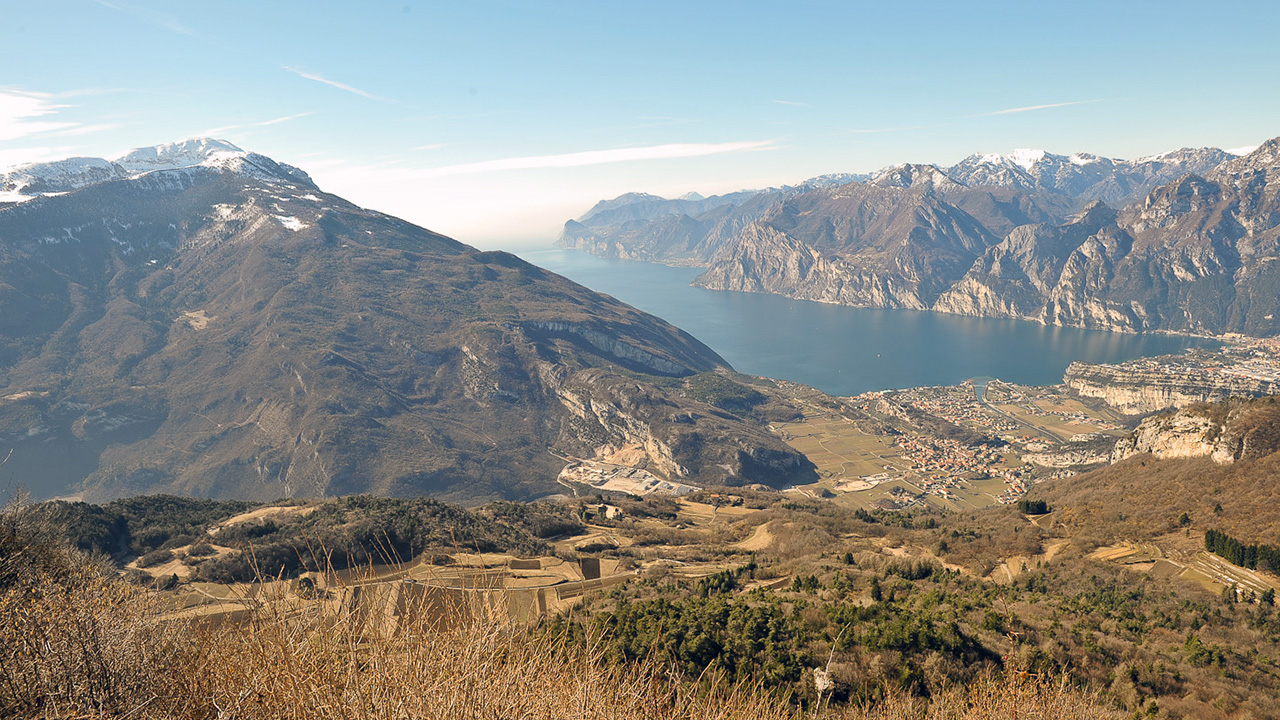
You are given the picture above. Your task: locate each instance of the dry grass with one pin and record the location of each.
(1012, 696)
(77, 643)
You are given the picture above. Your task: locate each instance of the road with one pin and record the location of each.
(980, 394)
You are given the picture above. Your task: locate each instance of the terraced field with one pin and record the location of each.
(1202, 568)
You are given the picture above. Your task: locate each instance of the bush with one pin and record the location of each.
(155, 557)
(76, 642)
(202, 549)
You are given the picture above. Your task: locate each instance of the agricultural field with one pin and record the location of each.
(447, 588)
(1056, 416)
(1174, 556)
(842, 452)
(860, 469)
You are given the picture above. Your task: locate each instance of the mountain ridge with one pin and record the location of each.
(219, 326)
(1181, 241)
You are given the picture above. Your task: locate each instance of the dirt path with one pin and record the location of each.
(759, 539)
(1009, 570)
(274, 511)
(1053, 549)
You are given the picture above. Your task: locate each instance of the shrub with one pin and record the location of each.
(202, 549)
(155, 557)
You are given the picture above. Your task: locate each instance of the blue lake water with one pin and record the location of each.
(846, 351)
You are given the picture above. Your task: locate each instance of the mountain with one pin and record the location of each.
(32, 180)
(1183, 241)
(638, 226)
(1197, 254)
(846, 244)
(679, 232)
(1085, 177)
(198, 319)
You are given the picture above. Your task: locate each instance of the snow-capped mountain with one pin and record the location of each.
(27, 182)
(833, 180)
(33, 180)
(185, 153)
(1084, 177)
(913, 175)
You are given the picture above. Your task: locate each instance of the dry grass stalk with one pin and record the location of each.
(76, 643)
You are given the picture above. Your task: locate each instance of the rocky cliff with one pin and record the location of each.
(768, 260)
(672, 437)
(1137, 391)
(1225, 432)
(895, 242)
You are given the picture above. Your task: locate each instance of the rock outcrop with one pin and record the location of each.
(680, 439)
(1226, 432)
(1137, 391)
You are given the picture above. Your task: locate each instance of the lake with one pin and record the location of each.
(846, 351)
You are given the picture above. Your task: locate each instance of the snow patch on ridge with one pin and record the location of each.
(14, 196)
(1157, 157)
(291, 223)
(1023, 158)
(1026, 158)
(182, 154)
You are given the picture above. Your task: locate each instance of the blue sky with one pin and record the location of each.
(494, 122)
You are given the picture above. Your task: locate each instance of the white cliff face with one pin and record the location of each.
(620, 421)
(1135, 392)
(1225, 432)
(1180, 435)
(622, 430)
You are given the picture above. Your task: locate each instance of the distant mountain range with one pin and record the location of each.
(199, 319)
(1182, 241)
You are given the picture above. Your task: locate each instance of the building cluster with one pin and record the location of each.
(1252, 359)
(959, 407)
(943, 464)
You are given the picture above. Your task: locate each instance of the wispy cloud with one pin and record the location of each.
(334, 83)
(263, 123)
(877, 131)
(150, 16)
(792, 103)
(10, 157)
(1030, 108)
(86, 129)
(88, 92)
(20, 114)
(432, 146)
(597, 157)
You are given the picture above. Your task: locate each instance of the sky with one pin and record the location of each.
(494, 122)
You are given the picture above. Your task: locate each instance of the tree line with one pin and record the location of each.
(1253, 556)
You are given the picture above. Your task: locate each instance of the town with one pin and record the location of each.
(979, 443)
